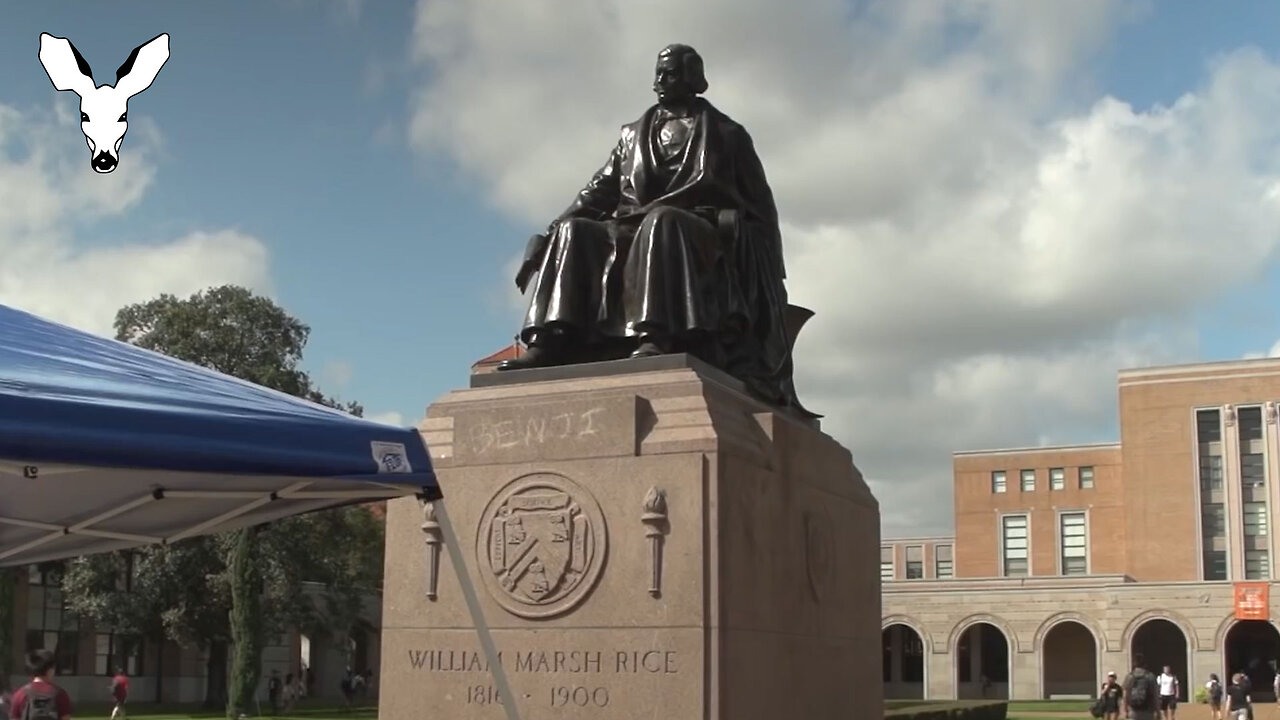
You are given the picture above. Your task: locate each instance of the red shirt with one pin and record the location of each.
(19, 702)
(120, 687)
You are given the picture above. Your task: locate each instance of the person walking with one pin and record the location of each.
(1112, 695)
(1168, 693)
(119, 694)
(1214, 690)
(1238, 699)
(1140, 692)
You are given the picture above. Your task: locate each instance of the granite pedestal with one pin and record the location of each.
(646, 540)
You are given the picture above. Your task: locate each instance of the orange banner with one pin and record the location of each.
(1253, 601)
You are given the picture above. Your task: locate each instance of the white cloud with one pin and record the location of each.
(337, 374)
(984, 240)
(48, 191)
(388, 418)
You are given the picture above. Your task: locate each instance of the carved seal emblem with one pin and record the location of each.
(541, 544)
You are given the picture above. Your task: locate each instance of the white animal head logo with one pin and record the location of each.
(103, 108)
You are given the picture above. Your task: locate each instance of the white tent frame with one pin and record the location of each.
(257, 499)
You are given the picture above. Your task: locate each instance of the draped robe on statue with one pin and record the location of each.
(643, 249)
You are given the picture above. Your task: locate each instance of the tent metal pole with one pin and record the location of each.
(477, 614)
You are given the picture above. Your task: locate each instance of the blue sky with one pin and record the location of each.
(374, 152)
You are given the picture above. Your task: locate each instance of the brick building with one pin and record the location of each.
(87, 655)
(1068, 562)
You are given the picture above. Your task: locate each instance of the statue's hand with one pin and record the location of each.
(533, 254)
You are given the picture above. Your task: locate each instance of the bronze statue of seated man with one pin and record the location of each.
(673, 246)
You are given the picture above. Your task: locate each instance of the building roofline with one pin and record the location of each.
(1042, 448)
(914, 538)
(1183, 368)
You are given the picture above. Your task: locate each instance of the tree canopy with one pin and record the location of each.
(245, 586)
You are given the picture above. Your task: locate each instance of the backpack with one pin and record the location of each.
(40, 704)
(1215, 690)
(1139, 695)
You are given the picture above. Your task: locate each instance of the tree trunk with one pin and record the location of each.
(8, 595)
(160, 670)
(246, 624)
(215, 689)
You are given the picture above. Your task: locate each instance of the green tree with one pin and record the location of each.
(153, 593)
(242, 586)
(8, 596)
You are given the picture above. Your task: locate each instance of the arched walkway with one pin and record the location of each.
(1158, 643)
(1252, 647)
(982, 663)
(1069, 657)
(903, 663)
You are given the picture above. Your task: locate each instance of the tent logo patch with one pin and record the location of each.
(390, 457)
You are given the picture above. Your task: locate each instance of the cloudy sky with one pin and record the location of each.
(993, 205)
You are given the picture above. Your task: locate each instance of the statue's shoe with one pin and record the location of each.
(648, 349)
(536, 357)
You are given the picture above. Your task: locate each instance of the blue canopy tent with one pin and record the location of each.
(106, 446)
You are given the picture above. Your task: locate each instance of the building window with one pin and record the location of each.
(1074, 542)
(997, 481)
(915, 562)
(1086, 478)
(1210, 472)
(1028, 480)
(1256, 566)
(1208, 427)
(886, 563)
(942, 562)
(49, 625)
(114, 651)
(1014, 545)
(1253, 470)
(1213, 517)
(1213, 520)
(1215, 565)
(1057, 478)
(1255, 519)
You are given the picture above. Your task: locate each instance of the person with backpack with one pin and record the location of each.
(1213, 689)
(1238, 703)
(40, 699)
(1140, 692)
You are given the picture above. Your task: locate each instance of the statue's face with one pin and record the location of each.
(669, 81)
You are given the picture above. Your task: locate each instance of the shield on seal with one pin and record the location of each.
(537, 544)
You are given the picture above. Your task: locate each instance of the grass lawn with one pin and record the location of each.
(141, 711)
(1017, 706)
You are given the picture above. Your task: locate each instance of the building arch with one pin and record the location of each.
(953, 651)
(1160, 648)
(901, 680)
(1052, 621)
(1000, 624)
(912, 623)
(1261, 645)
(1193, 640)
(1224, 627)
(1058, 618)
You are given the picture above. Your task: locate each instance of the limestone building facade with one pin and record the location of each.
(1069, 562)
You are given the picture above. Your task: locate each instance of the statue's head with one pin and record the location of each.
(679, 75)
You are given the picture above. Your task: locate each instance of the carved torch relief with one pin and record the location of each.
(655, 522)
